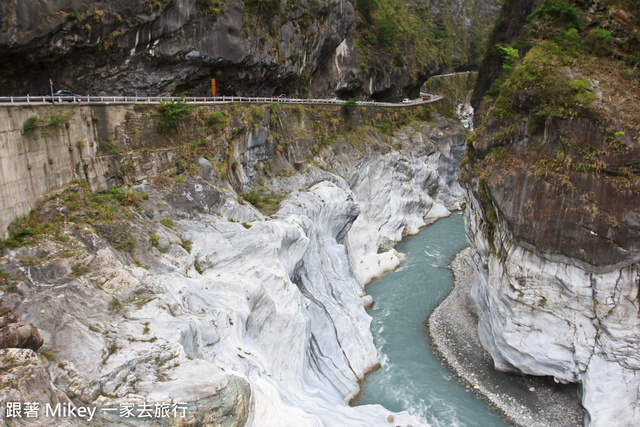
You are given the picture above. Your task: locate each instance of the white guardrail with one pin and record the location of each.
(21, 100)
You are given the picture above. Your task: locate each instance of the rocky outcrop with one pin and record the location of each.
(17, 334)
(552, 184)
(524, 400)
(24, 378)
(272, 305)
(543, 317)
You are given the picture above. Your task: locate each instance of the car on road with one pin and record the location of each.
(426, 97)
(63, 96)
(406, 101)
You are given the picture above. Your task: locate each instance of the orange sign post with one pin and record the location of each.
(213, 87)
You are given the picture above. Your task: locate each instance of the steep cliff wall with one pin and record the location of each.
(44, 149)
(308, 48)
(552, 182)
(159, 47)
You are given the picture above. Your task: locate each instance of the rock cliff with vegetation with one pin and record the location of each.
(552, 180)
(382, 49)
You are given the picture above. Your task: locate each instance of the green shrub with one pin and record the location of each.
(22, 231)
(124, 169)
(385, 126)
(57, 121)
(212, 8)
(126, 245)
(252, 197)
(571, 41)
(399, 60)
(74, 16)
(366, 8)
(509, 55)
(48, 353)
(425, 113)
(265, 204)
(172, 113)
(386, 30)
(258, 113)
(598, 40)
(114, 304)
(264, 8)
(78, 270)
(125, 196)
(31, 125)
(198, 267)
(560, 12)
(444, 107)
(217, 120)
(156, 4)
(298, 110)
(583, 96)
(167, 222)
(492, 217)
(579, 84)
(186, 244)
(404, 28)
(351, 104)
(111, 146)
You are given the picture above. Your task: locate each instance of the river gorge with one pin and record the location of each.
(223, 261)
(218, 286)
(411, 376)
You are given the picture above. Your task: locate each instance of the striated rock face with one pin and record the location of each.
(166, 47)
(257, 320)
(552, 181)
(543, 317)
(251, 48)
(405, 193)
(594, 220)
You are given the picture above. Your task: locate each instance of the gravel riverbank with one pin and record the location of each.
(523, 400)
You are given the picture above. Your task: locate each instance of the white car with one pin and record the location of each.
(406, 101)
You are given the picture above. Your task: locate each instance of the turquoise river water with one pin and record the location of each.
(411, 377)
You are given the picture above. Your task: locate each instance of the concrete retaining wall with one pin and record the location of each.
(37, 164)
